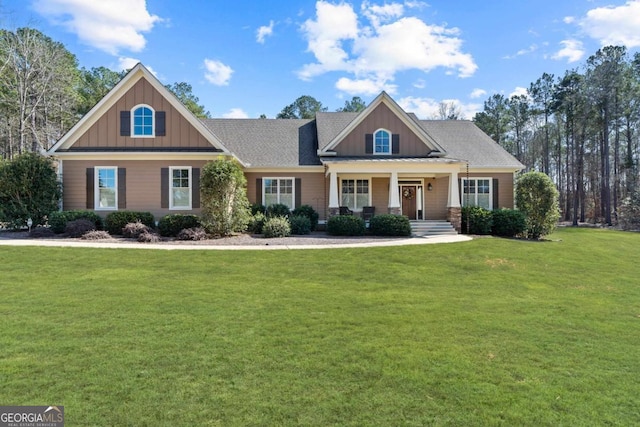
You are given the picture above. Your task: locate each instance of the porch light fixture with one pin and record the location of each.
(429, 187)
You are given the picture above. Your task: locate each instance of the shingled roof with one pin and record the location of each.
(286, 143)
(269, 142)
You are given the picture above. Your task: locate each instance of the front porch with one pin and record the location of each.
(420, 189)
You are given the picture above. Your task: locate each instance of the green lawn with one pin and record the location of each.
(487, 332)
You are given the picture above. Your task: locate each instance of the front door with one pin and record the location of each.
(409, 197)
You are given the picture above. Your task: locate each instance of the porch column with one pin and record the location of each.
(454, 211)
(334, 204)
(394, 198)
(454, 191)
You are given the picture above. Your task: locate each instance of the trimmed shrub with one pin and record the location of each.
(479, 220)
(79, 227)
(346, 225)
(277, 226)
(115, 221)
(134, 229)
(258, 208)
(41, 233)
(309, 212)
(278, 209)
(148, 237)
(256, 222)
(195, 233)
(537, 198)
(58, 220)
(300, 224)
(171, 225)
(508, 223)
(96, 235)
(390, 225)
(29, 188)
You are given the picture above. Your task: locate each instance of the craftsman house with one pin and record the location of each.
(140, 149)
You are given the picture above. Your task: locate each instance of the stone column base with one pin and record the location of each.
(395, 211)
(454, 216)
(334, 212)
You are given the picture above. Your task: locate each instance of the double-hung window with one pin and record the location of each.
(180, 187)
(278, 190)
(382, 142)
(106, 188)
(355, 193)
(477, 192)
(142, 121)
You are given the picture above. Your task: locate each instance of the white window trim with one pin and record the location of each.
(355, 182)
(171, 205)
(475, 195)
(293, 189)
(153, 121)
(96, 187)
(390, 142)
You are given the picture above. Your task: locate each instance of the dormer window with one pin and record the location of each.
(142, 121)
(382, 142)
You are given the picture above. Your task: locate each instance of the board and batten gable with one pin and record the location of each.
(105, 132)
(382, 117)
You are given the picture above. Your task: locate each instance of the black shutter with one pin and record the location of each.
(90, 188)
(125, 123)
(161, 129)
(164, 188)
(460, 192)
(298, 201)
(258, 191)
(495, 193)
(368, 143)
(122, 188)
(195, 188)
(395, 143)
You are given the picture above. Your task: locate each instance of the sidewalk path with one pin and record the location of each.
(266, 246)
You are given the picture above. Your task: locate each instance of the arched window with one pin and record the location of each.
(382, 142)
(142, 117)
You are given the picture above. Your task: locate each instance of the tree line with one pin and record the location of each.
(581, 129)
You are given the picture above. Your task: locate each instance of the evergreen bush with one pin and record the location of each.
(58, 220)
(508, 223)
(115, 221)
(171, 225)
(537, 199)
(309, 212)
(78, 227)
(278, 209)
(346, 225)
(300, 224)
(277, 226)
(390, 225)
(476, 220)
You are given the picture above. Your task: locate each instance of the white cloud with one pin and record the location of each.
(519, 90)
(522, 52)
(614, 25)
(569, 19)
(217, 73)
(374, 53)
(264, 31)
(235, 113)
(364, 86)
(420, 84)
(426, 108)
(572, 50)
(477, 93)
(106, 25)
(126, 63)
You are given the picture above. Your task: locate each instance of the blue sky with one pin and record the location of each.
(245, 58)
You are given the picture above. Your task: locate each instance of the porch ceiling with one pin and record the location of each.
(418, 165)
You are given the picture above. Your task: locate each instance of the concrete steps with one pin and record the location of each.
(432, 228)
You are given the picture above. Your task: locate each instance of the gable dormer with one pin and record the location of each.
(383, 129)
(139, 115)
